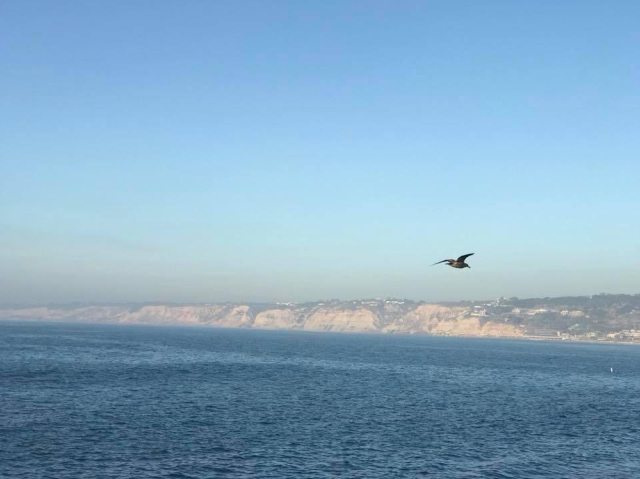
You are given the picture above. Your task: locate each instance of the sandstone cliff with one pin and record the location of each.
(369, 316)
(342, 320)
(276, 319)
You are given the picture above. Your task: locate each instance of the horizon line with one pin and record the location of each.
(22, 305)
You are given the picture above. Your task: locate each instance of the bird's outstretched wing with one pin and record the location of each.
(443, 261)
(464, 256)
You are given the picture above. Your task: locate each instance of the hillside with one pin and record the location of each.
(606, 317)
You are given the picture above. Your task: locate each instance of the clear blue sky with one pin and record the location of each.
(291, 150)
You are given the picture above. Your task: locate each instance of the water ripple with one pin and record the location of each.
(115, 402)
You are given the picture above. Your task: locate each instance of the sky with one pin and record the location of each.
(288, 151)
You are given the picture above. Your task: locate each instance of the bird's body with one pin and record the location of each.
(456, 263)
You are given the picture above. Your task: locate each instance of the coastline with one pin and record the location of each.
(294, 330)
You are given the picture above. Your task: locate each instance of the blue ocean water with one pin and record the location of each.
(108, 401)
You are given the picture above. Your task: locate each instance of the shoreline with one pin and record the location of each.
(376, 333)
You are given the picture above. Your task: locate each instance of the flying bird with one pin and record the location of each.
(456, 263)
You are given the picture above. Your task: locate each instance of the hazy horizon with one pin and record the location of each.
(291, 301)
(286, 151)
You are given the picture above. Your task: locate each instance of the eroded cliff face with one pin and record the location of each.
(237, 317)
(276, 319)
(475, 327)
(422, 318)
(163, 315)
(342, 320)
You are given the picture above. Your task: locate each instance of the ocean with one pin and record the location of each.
(114, 401)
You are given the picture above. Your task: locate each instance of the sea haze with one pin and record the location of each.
(93, 401)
